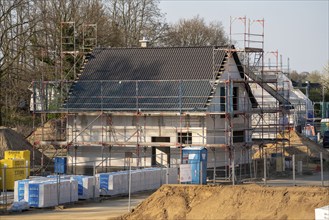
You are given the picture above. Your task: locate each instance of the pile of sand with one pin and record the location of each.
(231, 202)
(303, 145)
(298, 145)
(11, 140)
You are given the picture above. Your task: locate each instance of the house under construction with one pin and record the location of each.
(150, 102)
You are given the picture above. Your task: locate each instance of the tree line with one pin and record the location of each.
(31, 40)
(318, 83)
(31, 34)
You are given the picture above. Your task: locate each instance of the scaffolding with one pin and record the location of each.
(48, 96)
(269, 119)
(250, 48)
(184, 124)
(89, 37)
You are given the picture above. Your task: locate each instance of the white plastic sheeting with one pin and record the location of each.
(117, 183)
(19, 188)
(47, 193)
(43, 194)
(19, 206)
(50, 191)
(87, 187)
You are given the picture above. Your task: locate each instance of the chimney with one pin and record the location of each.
(144, 42)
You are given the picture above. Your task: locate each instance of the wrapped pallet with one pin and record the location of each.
(19, 189)
(47, 193)
(116, 183)
(68, 191)
(19, 186)
(103, 179)
(87, 186)
(173, 175)
(64, 179)
(41, 194)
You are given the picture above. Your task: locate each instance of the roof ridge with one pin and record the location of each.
(171, 47)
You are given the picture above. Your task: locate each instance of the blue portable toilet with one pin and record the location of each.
(197, 157)
(60, 165)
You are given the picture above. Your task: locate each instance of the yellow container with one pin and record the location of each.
(18, 154)
(22, 154)
(15, 170)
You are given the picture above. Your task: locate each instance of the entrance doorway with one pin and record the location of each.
(160, 155)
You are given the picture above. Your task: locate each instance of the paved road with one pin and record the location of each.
(106, 209)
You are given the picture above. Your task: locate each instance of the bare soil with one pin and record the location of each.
(231, 202)
(297, 144)
(11, 140)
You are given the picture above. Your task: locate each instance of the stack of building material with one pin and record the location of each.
(78, 186)
(137, 183)
(105, 182)
(14, 166)
(68, 191)
(87, 186)
(12, 170)
(62, 177)
(19, 154)
(158, 177)
(117, 183)
(42, 193)
(153, 178)
(19, 190)
(172, 175)
(63, 182)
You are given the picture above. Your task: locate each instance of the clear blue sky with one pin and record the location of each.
(297, 29)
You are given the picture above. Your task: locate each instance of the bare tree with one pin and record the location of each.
(47, 38)
(325, 78)
(195, 32)
(132, 20)
(314, 77)
(16, 30)
(299, 77)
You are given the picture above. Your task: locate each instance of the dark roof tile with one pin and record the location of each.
(145, 78)
(168, 63)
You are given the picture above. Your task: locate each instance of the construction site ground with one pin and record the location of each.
(280, 199)
(82, 210)
(231, 202)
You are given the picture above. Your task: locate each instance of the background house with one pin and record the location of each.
(300, 107)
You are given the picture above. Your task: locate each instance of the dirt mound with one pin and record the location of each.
(11, 140)
(52, 130)
(301, 144)
(231, 202)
